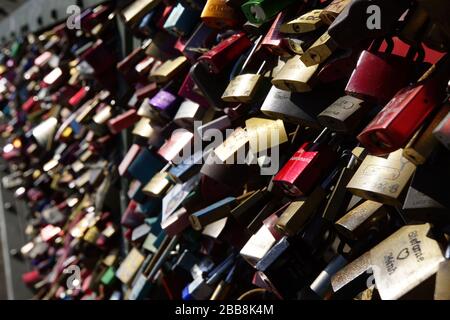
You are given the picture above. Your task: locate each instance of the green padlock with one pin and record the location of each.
(109, 276)
(260, 11)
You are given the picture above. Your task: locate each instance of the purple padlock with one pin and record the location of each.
(165, 103)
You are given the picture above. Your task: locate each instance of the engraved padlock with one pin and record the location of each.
(217, 14)
(307, 22)
(382, 180)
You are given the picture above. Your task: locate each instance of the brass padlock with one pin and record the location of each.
(382, 180)
(355, 223)
(333, 10)
(137, 10)
(399, 264)
(157, 186)
(307, 22)
(217, 14)
(169, 69)
(320, 50)
(343, 115)
(295, 76)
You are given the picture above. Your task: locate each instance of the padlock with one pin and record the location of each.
(260, 11)
(123, 121)
(181, 21)
(273, 40)
(299, 108)
(169, 69)
(174, 149)
(307, 166)
(339, 67)
(157, 186)
(189, 112)
(397, 122)
(165, 102)
(200, 39)
(319, 51)
(382, 180)
(362, 20)
(400, 263)
(390, 72)
(243, 87)
(217, 14)
(356, 223)
(344, 115)
(307, 22)
(136, 10)
(261, 242)
(265, 134)
(225, 52)
(422, 144)
(295, 76)
(331, 11)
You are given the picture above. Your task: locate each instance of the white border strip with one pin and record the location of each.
(5, 246)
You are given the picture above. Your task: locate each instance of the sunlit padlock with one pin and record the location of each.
(181, 21)
(243, 87)
(217, 14)
(330, 12)
(307, 22)
(397, 122)
(319, 51)
(295, 76)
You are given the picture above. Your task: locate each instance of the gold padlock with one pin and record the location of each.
(382, 180)
(357, 221)
(143, 128)
(137, 9)
(157, 186)
(295, 76)
(399, 264)
(343, 115)
(333, 10)
(307, 22)
(217, 14)
(168, 69)
(265, 134)
(294, 218)
(320, 50)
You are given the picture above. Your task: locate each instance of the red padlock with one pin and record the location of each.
(379, 75)
(226, 52)
(394, 126)
(307, 166)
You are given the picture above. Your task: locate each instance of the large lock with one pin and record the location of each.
(404, 114)
(378, 76)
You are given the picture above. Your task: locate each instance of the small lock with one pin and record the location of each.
(136, 10)
(225, 52)
(217, 14)
(273, 40)
(181, 21)
(319, 51)
(243, 87)
(307, 22)
(169, 69)
(343, 115)
(331, 11)
(295, 76)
